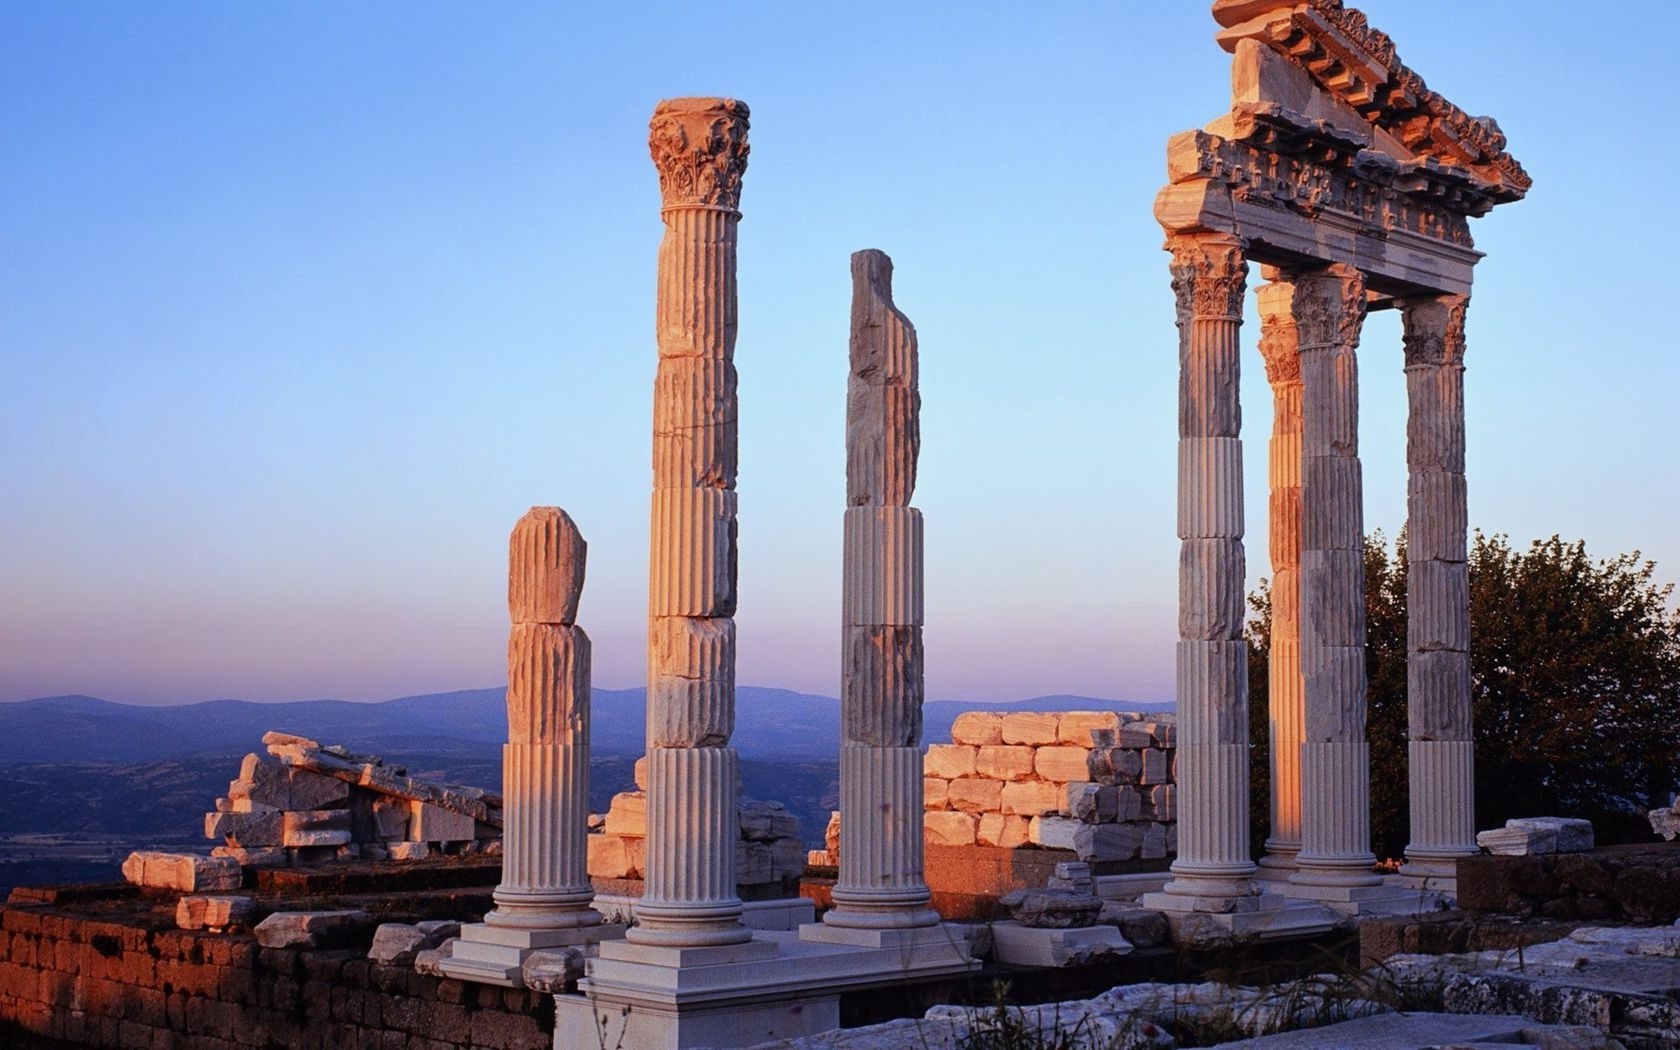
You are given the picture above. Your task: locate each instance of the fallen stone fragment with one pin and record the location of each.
(213, 913)
(1143, 927)
(553, 970)
(1052, 909)
(311, 929)
(397, 944)
(186, 872)
(1665, 822)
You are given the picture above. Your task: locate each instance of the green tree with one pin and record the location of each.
(1575, 683)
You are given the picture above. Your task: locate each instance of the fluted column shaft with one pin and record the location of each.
(1209, 275)
(1439, 742)
(690, 900)
(1286, 690)
(545, 763)
(881, 884)
(1329, 308)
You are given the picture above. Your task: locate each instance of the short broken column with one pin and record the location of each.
(881, 884)
(1285, 692)
(1440, 752)
(1329, 308)
(544, 897)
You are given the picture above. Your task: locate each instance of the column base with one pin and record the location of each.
(496, 955)
(1277, 865)
(776, 986)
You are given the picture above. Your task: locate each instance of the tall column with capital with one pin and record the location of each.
(699, 146)
(1285, 691)
(1329, 308)
(1209, 274)
(1440, 752)
(881, 884)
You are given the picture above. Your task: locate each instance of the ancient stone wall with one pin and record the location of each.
(1099, 783)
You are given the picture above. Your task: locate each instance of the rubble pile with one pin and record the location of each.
(1099, 783)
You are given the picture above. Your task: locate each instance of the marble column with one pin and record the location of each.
(544, 897)
(881, 884)
(1209, 274)
(699, 146)
(1285, 688)
(1440, 751)
(1329, 308)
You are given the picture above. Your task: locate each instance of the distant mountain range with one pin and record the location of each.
(769, 723)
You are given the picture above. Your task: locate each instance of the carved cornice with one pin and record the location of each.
(1329, 307)
(700, 147)
(1358, 64)
(1209, 275)
(1361, 187)
(1434, 330)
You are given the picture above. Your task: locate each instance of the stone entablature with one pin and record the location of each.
(1100, 783)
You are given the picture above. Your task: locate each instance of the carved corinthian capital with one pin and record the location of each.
(1434, 330)
(1279, 342)
(700, 147)
(1209, 274)
(1329, 306)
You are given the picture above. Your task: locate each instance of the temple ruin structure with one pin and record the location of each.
(1351, 184)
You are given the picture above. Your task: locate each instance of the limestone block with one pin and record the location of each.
(1172, 840)
(1030, 727)
(935, 792)
(1154, 766)
(1163, 799)
(1004, 761)
(262, 781)
(1437, 525)
(1114, 765)
(245, 805)
(1134, 734)
(390, 818)
(692, 662)
(429, 823)
(311, 929)
(998, 829)
(753, 865)
(640, 773)
(254, 857)
(1052, 909)
(976, 795)
(1154, 845)
(546, 557)
(695, 430)
(1092, 803)
(1517, 842)
(1062, 763)
(1438, 696)
(1573, 835)
(1102, 842)
(1210, 497)
(947, 828)
(610, 857)
(627, 815)
(1210, 588)
(548, 684)
(1438, 606)
(766, 821)
(821, 858)
(831, 834)
(881, 686)
(882, 582)
(409, 850)
(978, 727)
(1077, 727)
(214, 913)
(787, 859)
(397, 943)
(949, 761)
(1054, 832)
(691, 570)
(1032, 798)
(1164, 732)
(883, 435)
(1128, 803)
(244, 829)
(186, 872)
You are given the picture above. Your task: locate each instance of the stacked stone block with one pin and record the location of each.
(769, 853)
(302, 803)
(1099, 783)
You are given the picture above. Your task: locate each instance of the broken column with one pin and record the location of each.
(1284, 689)
(1329, 308)
(881, 884)
(699, 146)
(1213, 871)
(544, 897)
(1440, 752)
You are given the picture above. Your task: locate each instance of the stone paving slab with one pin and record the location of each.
(1419, 1031)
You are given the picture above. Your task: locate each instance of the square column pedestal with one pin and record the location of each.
(775, 986)
(496, 954)
(1392, 895)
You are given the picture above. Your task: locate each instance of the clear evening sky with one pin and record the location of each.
(302, 305)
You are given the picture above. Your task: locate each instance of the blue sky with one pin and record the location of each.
(301, 306)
